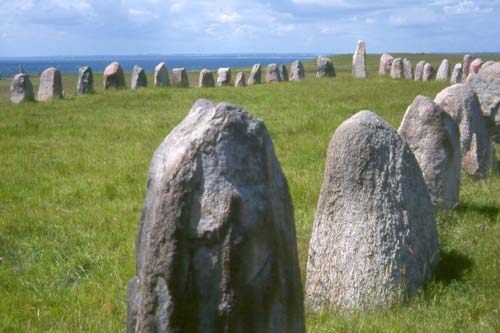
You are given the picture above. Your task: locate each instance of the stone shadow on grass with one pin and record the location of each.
(452, 266)
(489, 211)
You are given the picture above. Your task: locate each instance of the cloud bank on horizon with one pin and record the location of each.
(86, 27)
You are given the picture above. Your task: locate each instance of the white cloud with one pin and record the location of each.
(228, 17)
(465, 7)
(142, 12)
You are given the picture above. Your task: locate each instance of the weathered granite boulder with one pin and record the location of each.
(240, 80)
(434, 138)
(272, 74)
(283, 72)
(85, 83)
(325, 67)
(374, 238)
(359, 61)
(113, 77)
(180, 78)
(443, 73)
(475, 66)
(139, 79)
(297, 72)
(466, 66)
(486, 64)
(385, 64)
(160, 76)
(216, 248)
(419, 70)
(397, 69)
(206, 79)
(223, 77)
(462, 103)
(456, 75)
(50, 86)
(429, 72)
(255, 76)
(408, 69)
(492, 70)
(21, 89)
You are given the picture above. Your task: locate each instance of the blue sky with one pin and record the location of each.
(88, 27)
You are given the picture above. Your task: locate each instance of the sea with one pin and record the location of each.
(70, 64)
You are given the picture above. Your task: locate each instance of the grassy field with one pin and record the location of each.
(73, 177)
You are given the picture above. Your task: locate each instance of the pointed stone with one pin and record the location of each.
(456, 75)
(223, 77)
(429, 72)
(397, 69)
(206, 79)
(255, 76)
(240, 80)
(443, 73)
(113, 77)
(50, 85)
(283, 72)
(408, 69)
(160, 76)
(139, 79)
(466, 65)
(419, 70)
(359, 61)
(385, 64)
(325, 67)
(21, 89)
(180, 78)
(272, 74)
(85, 84)
(297, 72)
(475, 66)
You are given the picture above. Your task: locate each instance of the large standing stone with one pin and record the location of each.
(139, 79)
(397, 69)
(239, 81)
(160, 76)
(475, 66)
(359, 61)
(492, 70)
(456, 75)
(385, 64)
(374, 238)
(434, 138)
(21, 89)
(272, 74)
(443, 73)
(461, 102)
(408, 69)
(465, 68)
(297, 72)
(113, 77)
(206, 79)
(283, 72)
(223, 77)
(180, 78)
(50, 86)
(85, 83)
(255, 76)
(429, 72)
(325, 67)
(419, 70)
(216, 248)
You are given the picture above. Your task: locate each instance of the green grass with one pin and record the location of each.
(72, 183)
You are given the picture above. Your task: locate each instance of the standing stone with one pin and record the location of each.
(255, 76)
(283, 72)
(429, 72)
(160, 77)
(139, 79)
(374, 239)
(223, 77)
(397, 69)
(443, 73)
(465, 68)
(461, 102)
(456, 75)
(297, 72)
(325, 67)
(385, 66)
(359, 61)
(434, 138)
(272, 74)
(475, 66)
(492, 70)
(21, 89)
(113, 77)
(216, 249)
(50, 86)
(206, 79)
(408, 69)
(419, 70)
(180, 78)
(240, 80)
(85, 82)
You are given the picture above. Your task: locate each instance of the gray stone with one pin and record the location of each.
(456, 75)
(272, 74)
(240, 80)
(160, 76)
(492, 70)
(206, 79)
(419, 70)
(255, 76)
(113, 77)
(486, 64)
(359, 61)
(429, 72)
(297, 72)
(443, 73)
(462, 103)
(139, 79)
(397, 69)
(283, 72)
(180, 78)
(216, 249)
(85, 84)
(50, 85)
(374, 238)
(434, 137)
(325, 67)
(223, 77)
(385, 64)
(475, 66)
(408, 69)
(466, 65)
(21, 89)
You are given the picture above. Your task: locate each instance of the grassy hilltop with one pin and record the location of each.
(73, 179)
